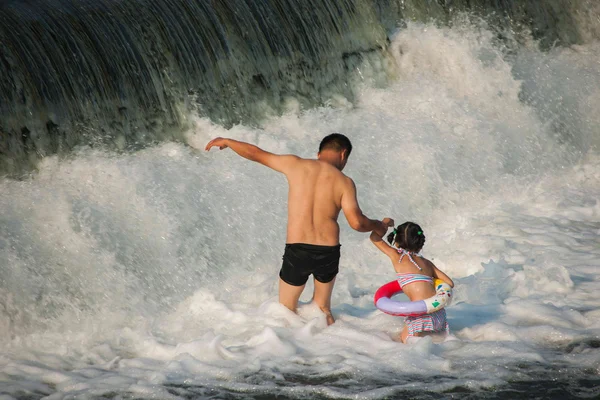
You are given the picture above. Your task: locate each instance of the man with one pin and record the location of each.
(317, 191)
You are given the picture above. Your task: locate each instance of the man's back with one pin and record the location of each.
(314, 202)
(317, 192)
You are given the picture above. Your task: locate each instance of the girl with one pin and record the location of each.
(415, 275)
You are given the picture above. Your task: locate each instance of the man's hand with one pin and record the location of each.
(388, 222)
(219, 142)
(380, 229)
(383, 225)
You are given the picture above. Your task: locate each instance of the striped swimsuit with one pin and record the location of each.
(434, 322)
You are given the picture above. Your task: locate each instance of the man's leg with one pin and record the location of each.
(322, 297)
(289, 294)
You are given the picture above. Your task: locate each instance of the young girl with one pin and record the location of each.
(415, 275)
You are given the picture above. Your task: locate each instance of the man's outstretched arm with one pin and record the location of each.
(356, 219)
(280, 163)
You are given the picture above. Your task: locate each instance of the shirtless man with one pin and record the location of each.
(317, 191)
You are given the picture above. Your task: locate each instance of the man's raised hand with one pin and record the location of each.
(219, 142)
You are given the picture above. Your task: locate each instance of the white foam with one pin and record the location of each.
(132, 273)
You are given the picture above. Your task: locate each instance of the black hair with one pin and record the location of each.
(336, 141)
(408, 236)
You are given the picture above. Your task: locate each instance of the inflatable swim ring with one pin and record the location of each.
(383, 300)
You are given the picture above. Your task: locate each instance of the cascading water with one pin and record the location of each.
(127, 74)
(152, 273)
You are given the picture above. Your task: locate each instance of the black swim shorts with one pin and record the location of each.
(300, 260)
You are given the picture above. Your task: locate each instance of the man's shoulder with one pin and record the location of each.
(341, 177)
(302, 159)
(346, 178)
(297, 164)
(301, 162)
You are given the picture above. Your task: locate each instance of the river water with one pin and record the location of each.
(152, 272)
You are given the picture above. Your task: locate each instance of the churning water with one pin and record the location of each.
(153, 273)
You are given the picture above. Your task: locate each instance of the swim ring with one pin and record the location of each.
(383, 300)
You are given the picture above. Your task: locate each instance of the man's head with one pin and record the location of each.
(335, 149)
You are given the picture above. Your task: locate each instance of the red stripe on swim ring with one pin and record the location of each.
(388, 290)
(438, 301)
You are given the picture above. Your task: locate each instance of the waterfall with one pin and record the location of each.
(124, 74)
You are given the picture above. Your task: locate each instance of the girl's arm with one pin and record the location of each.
(440, 275)
(377, 239)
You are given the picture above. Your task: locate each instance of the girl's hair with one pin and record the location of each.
(408, 236)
